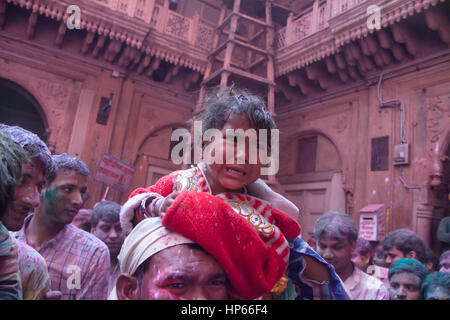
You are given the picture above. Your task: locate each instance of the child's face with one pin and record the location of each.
(233, 177)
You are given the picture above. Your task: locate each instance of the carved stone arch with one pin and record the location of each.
(20, 90)
(50, 99)
(144, 160)
(160, 128)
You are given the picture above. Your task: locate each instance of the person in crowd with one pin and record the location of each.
(444, 261)
(406, 276)
(187, 255)
(238, 184)
(362, 255)
(337, 234)
(403, 243)
(11, 158)
(170, 266)
(379, 256)
(105, 225)
(362, 258)
(436, 286)
(443, 233)
(232, 260)
(83, 219)
(431, 260)
(78, 262)
(33, 268)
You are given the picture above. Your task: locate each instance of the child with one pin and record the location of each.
(237, 184)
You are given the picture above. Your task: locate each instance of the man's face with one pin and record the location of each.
(392, 255)
(26, 196)
(379, 260)
(360, 261)
(335, 251)
(64, 196)
(111, 234)
(445, 264)
(232, 177)
(404, 286)
(181, 273)
(438, 293)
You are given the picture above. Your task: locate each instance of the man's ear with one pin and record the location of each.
(127, 287)
(411, 255)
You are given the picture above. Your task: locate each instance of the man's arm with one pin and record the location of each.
(315, 278)
(316, 271)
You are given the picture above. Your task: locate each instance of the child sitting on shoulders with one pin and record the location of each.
(236, 180)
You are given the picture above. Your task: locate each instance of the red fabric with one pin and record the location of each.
(287, 225)
(252, 267)
(163, 186)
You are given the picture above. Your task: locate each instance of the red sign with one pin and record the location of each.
(114, 172)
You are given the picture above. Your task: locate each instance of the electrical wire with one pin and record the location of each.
(393, 102)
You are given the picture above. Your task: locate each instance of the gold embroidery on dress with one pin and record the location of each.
(248, 212)
(186, 180)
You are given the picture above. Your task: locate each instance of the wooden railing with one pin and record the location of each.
(157, 14)
(312, 20)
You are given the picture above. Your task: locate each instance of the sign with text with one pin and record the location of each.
(372, 222)
(114, 173)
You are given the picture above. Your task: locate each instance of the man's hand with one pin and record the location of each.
(316, 270)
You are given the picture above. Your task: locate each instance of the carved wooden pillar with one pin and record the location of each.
(210, 59)
(230, 45)
(224, 79)
(149, 5)
(424, 219)
(289, 38)
(315, 16)
(270, 63)
(194, 27)
(164, 15)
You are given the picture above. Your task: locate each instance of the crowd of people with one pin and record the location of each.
(214, 231)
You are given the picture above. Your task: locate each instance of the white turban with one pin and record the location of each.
(147, 238)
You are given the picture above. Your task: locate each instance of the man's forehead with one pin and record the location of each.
(69, 176)
(327, 238)
(109, 223)
(33, 167)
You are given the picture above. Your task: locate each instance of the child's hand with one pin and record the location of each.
(164, 203)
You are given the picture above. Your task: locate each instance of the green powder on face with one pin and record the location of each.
(50, 197)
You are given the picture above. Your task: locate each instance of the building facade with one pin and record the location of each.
(360, 90)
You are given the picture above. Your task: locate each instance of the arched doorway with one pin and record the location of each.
(153, 157)
(19, 108)
(312, 178)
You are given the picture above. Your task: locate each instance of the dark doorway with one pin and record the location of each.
(19, 108)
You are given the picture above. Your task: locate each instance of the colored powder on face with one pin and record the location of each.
(50, 197)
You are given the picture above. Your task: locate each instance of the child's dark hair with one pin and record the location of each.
(220, 103)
